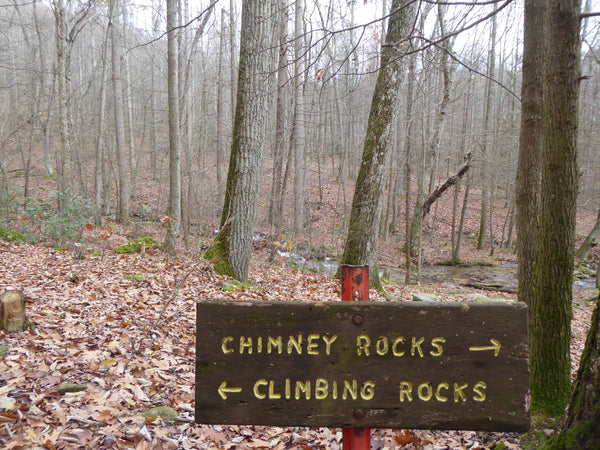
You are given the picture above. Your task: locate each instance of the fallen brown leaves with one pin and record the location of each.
(94, 326)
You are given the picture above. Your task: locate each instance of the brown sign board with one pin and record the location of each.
(363, 364)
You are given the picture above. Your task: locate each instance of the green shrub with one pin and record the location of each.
(61, 218)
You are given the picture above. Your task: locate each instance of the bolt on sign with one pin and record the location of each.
(363, 364)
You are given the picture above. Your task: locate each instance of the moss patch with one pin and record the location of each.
(164, 412)
(11, 236)
(136, 245)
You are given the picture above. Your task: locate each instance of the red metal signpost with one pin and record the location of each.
(355, 287)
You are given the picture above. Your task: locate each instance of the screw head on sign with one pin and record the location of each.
(358, 414)
(357, 319)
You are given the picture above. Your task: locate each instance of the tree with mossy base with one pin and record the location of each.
(581, 425)
(232, 246)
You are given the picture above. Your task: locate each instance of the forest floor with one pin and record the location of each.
(94, 324)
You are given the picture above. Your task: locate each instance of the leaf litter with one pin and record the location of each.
(93, 369)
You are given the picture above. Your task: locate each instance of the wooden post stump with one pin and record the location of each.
(12, 311)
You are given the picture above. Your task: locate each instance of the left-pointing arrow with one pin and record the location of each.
(224, 390)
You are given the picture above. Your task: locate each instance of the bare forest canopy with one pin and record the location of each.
(70, 69)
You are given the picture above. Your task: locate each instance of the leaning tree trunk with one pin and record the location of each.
(363, 229)
(581, 426)
(232, 246)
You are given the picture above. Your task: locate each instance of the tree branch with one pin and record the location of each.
(451, 181)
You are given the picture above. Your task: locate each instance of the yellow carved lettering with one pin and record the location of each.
(382, 346)
(367, 392)
(397, 341)
(458, 392)
(334, 394)
(328, 341)
(312, 344)
(288, 389)
(274, 343)
(479, 389)
(416, 346)
(294, 343)
(245, 343)
(257, 385)
(437, 343)
(224, 344)
(303, 387)
(259, 344)
(405, 389)
(321, 386)
(272, 393)
(350, 388)
(438, 395)
(362, 344)
(424, 391)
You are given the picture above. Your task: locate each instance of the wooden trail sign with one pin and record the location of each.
(363, 364)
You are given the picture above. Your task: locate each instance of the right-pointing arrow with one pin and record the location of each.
(495, 346)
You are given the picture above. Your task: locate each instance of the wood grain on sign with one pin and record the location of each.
(363, 364)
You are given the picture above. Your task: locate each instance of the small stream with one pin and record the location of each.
(501, 278)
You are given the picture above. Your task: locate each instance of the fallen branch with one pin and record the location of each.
(174, 293)
(169, 301)
(451, 181)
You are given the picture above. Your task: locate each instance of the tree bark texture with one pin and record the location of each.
(530, 148)
(232, 247)
(363, 229)
(551, 311)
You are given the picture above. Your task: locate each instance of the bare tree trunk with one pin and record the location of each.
(232, 65)
(461, 226)
(220, 112)
(297, 137)
(174, 209)
(275, 207)
(440, 118)
(121, 148)
(489, 101)
(63, 155)
(407, 147)
(99, 154)
(46, 116)
(551, 309)
(232, 246)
